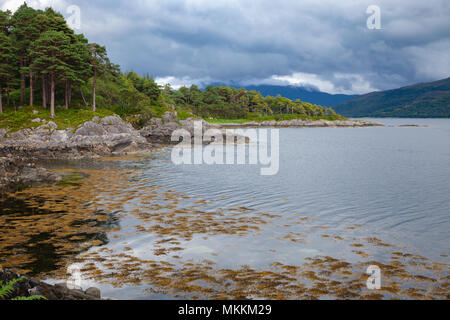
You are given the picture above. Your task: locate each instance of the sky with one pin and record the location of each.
(326, 45)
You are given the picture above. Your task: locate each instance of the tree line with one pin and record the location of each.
(42, 59)
(238, 103)
(39, 49)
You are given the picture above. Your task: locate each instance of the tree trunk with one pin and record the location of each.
(84, 99)
(67, 95)
(49, 92)
(52, 95)
(31, 88)
(44, 92)
(70, 91)
(8, 97)
(22, 85)
(1, 101)
(93, 90)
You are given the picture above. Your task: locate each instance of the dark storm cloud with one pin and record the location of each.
(320, 43)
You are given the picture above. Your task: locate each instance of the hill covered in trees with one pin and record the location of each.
(424, 100)
(310, 95)
(44, 64)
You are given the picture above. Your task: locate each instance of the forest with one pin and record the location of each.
(44, 64)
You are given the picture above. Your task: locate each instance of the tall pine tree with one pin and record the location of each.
(25, 31)
(50, 55)
(7, 63)
(99, 64)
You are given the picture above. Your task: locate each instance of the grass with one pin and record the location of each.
(15, 120)
(276, 118)
(228, 120)
(71, 118)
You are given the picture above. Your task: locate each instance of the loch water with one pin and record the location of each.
(343, 199)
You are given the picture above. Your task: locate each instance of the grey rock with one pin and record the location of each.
(94, 292)
(170, 117)
(96, 119)
(49, 126)
(90, 129)
(112, 120)
(156, 122)
(3, 133)
(34, 291)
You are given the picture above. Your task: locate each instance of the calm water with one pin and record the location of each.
(394, 181)
(336, 190)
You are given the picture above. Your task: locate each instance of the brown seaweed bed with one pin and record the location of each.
(76, 223)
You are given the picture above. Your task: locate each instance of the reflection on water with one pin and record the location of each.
(344, 199)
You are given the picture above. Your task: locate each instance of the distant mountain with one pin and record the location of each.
(302, 93)
(424, 100)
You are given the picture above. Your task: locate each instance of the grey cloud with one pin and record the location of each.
(253, 40)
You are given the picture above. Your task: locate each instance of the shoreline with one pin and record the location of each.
(26, 287)
(299, 123)
(109, 136)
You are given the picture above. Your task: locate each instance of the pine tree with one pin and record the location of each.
(25, 31)
(6, 54)
(50, 55)
(99, 63)
(78, 62)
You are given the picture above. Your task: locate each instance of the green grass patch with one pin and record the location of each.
(280, 117)
(71, 118)
(219, 121)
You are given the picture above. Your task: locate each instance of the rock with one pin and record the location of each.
(36, 120)
(99, 137)
(34, 291)
(49, 125)
(103, 137)
(90, 129)
(3, 132)
(112, 120)
(35, 112)
(156, 122)
(96, 119)
(170, 117)
(126, 148)
(15, 172)
(160, 134)
(94, 292)
(29, 287)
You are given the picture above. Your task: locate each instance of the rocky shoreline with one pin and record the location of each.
(28, 287)
(106, 137)
(299, 123)
(16, 172)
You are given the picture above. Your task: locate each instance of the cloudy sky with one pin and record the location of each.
(324, 44)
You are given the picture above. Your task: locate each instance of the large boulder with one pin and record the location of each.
(90, 128)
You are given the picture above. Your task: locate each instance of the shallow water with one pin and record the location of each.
(343, 199)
